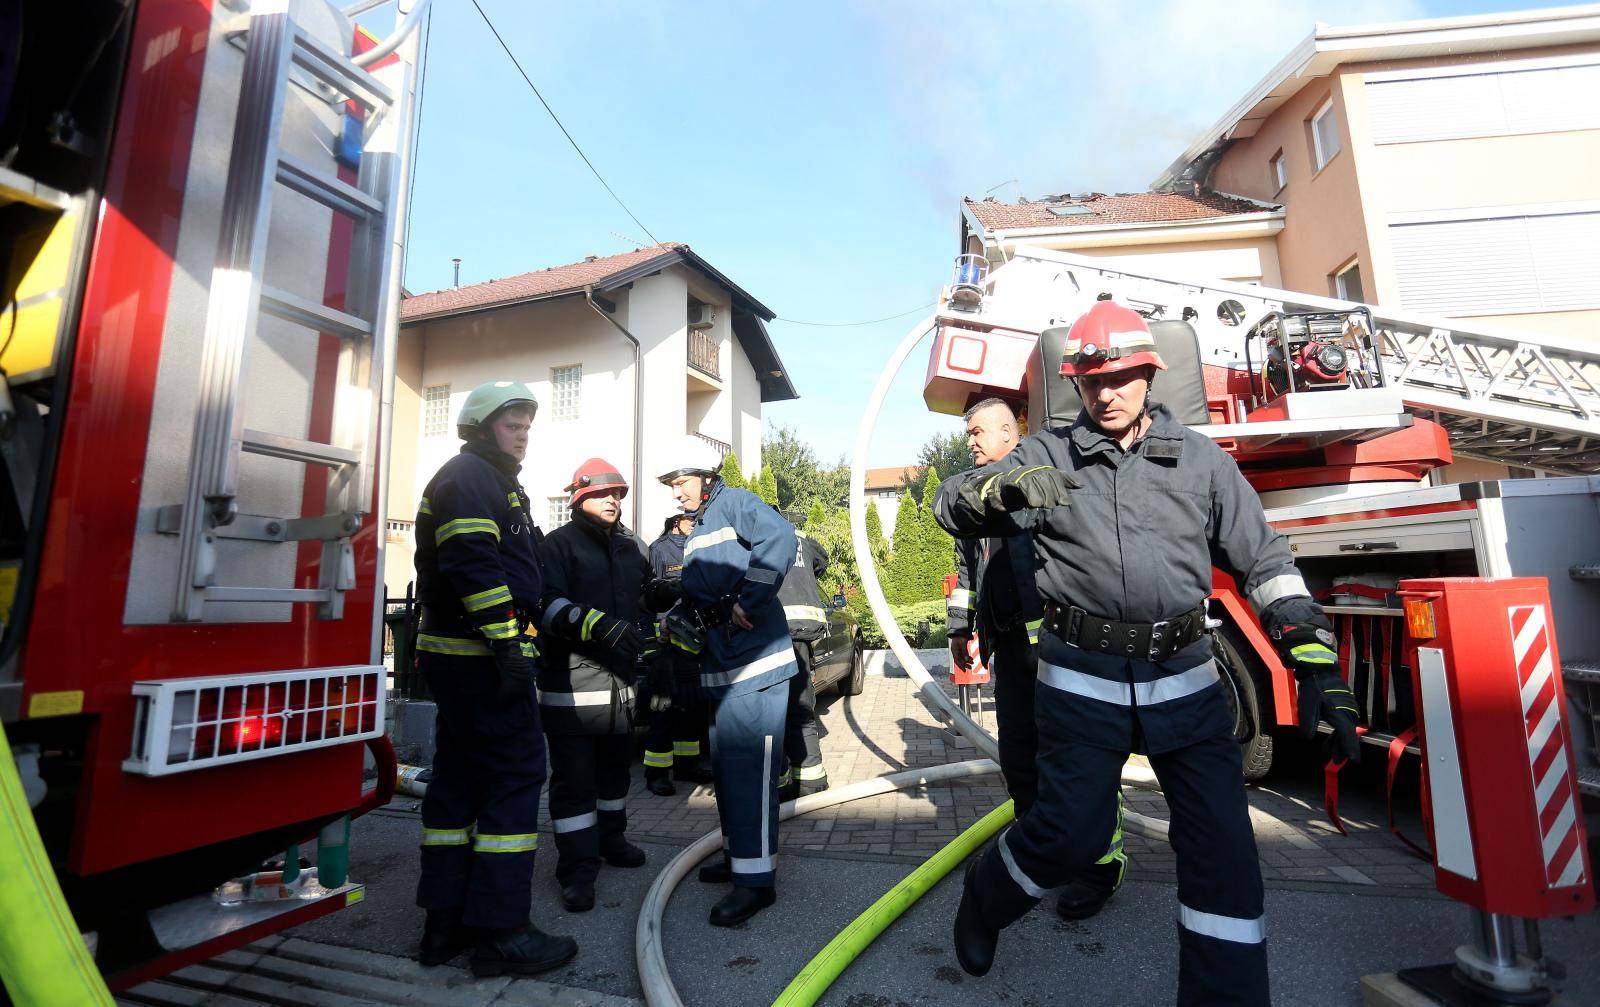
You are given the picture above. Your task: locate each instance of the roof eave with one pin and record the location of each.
(1241, 224)
(475, 309)
(771, 376)
(688, 257)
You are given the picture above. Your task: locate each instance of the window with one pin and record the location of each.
(1280, 173)
(558, 513)
(1347, 283)
(1324, 135)
(1498, 260)
(436, 410)
(566, 388)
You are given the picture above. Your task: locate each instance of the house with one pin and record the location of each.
(885, 487)
(658, 328)
(1443, 166)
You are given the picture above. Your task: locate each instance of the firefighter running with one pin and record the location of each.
(803, 771)
(995, 598)
(479, 582)
(677, 711)
(597, 635)
(1125, 661)
(734, 563)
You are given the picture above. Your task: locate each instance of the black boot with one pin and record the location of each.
(444, 936)
(525, 951)
(741, 904)
(1086, 894)
(975, 939)
(623, 854)
(691, 772)
(578, 897)
(661, 786)
(718, 873)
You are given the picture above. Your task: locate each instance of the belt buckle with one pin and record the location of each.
(1155, 636)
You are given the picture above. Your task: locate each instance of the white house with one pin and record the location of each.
(625, 353)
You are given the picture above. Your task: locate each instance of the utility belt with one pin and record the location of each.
(457, 624)
(1143, 640)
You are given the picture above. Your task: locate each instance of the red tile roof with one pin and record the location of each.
(891, 478)
(1123, 208)
(543, 282)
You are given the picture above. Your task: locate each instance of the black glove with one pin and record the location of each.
(1018, 488)
(621, 637)
(516, 671)
(649, 656)
(686, 688)
(661, 683)
(662, 593)
(1308, 649)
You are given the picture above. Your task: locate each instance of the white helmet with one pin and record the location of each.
(693, 456)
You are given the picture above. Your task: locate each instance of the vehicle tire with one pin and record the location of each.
(853, 681)
(1244, 698)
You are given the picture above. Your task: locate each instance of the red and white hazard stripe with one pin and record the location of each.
(1554, 794)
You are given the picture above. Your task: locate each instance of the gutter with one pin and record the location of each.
(634, 490)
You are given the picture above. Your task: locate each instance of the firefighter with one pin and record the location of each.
(672, 748)
(803, 771)
(1129, 511)
(995, 598)
(478, 582)
(733, 566)
(593, 563)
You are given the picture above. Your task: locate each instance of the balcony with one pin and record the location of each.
(704, 366)
(723, 447)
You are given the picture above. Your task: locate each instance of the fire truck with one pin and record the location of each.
(204, 209)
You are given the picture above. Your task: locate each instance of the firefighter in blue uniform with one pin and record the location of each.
(593, 564)
(479, 584)
(733, 566)
(995, 598)
(672, 747)
(803, 771)
(1129, 512)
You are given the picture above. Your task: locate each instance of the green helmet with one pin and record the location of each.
(489, 398)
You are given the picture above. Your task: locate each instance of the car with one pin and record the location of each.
(836, 659)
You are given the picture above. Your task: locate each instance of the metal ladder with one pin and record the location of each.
(275, 46)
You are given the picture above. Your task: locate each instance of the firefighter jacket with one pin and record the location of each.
(740, 550)
(666, 556)
(478, 571)
(582, 687)
(802, 600)
(1137, 544)
(994, 589)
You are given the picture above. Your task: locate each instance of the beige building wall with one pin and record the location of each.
(1245, 260)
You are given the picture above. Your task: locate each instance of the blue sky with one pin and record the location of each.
(817, 153)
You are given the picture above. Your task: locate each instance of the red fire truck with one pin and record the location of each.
(203, 209)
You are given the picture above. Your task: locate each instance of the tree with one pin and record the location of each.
(766, 486)
(946, 453)
(940, 544)
(906, 554)
(801, 476)
(875, 539)
(731, 474)
(817, 515)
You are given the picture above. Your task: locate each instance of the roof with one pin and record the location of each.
(891, 478)
(1327, 47)
(604, 274)
(1099, 208)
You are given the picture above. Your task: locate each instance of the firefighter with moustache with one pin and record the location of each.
(1129, 511)
(733, 567)
(597, 637)
(803, 771)
(995, 599)
(678, 715)
(479, 583)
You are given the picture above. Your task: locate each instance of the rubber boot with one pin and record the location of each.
(691, 772)
(623, 854)
(578, 897)
(741, 904)
(661, 786)
(526, 950)
(1088, 893)
(716, 873)
(444, 936)
(975, 939)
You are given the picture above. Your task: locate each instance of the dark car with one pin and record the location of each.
(836, 658)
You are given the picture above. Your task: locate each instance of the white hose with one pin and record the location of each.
(647, 951)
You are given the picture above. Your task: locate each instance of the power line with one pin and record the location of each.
(558, 123)
(848, 325)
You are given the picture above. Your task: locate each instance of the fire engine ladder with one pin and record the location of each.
(1515, 398)
(275, 47)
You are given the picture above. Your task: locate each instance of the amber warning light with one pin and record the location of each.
(1419, 618)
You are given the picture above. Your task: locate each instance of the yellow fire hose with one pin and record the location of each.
(43, 959)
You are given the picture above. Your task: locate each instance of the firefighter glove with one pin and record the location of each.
(515, 668)
(621, 637)
(662, 593)
(1019, 488)
(1324, 694)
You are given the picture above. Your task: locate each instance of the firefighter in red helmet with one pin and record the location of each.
(598, 636)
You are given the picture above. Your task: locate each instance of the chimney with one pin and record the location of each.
(590, 258)
(458, 272)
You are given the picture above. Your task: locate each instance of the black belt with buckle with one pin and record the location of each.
(1144, 640)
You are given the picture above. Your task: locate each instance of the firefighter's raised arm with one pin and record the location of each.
(1005, 497)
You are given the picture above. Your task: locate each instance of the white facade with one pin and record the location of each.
(540, 343)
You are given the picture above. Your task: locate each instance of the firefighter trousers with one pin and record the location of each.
(746, 747)
(802, 747)
(480, 818)
(589, 777)
(1222, 953)
(673, 738)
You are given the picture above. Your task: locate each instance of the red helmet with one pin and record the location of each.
(1109, 337)
(595, 476)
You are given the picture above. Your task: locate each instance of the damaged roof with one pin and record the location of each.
(1060, 212)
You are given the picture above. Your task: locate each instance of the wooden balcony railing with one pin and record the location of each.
(703, 354)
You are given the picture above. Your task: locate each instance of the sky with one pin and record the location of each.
(816, 153)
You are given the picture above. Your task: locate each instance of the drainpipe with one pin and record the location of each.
(635, 490)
